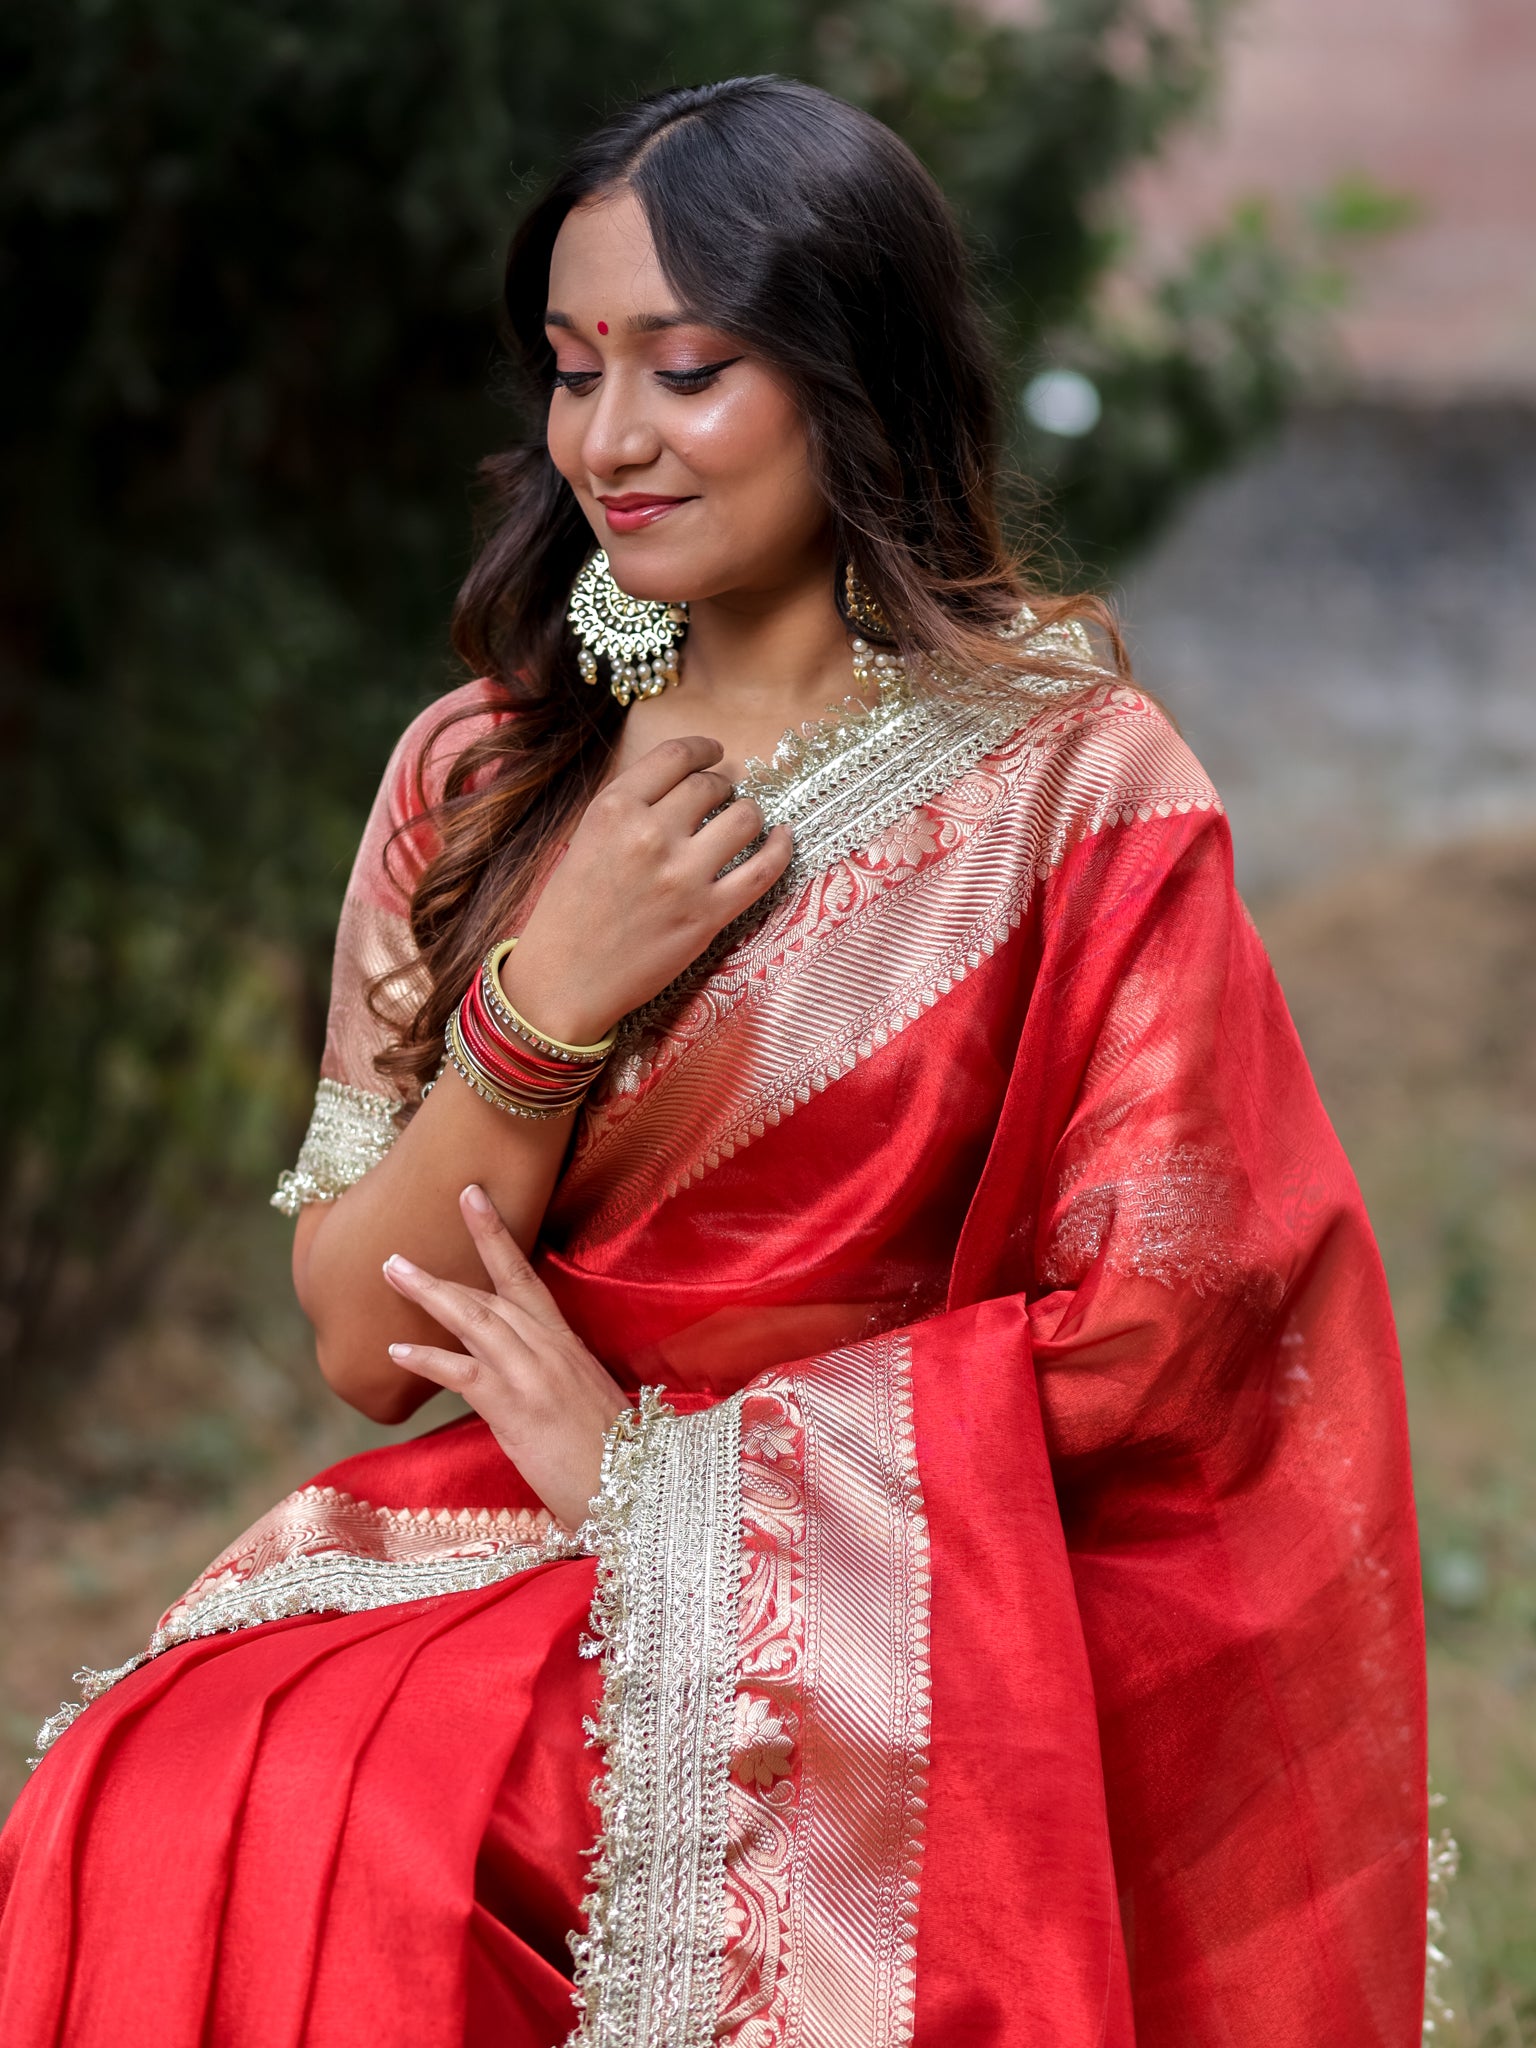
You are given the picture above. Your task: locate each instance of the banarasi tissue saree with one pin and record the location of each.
(1000, 1621)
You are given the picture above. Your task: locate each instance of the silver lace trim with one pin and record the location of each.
(666, 1529)
(333, 1583)
(349, 1132)
(838, 782)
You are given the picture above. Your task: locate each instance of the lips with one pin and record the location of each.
(627, 514)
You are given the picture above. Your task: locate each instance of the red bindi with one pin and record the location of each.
(602, 326)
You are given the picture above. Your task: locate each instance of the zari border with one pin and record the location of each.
(833, 1710)
(1444, 1859)
(858, 1856)
(767, 1754)
(864, 951)
(322, 1552)
(666, 1530)
(838, 784)
(821, 1715)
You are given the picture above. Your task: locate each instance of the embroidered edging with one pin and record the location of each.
(919, 1699)
(939, 977)
(666, 1531)
(333, 1583)
(1444, 1859)
(350, 1131)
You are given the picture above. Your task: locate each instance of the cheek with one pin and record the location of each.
(751, 440)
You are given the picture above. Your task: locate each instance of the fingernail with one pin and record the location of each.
(477, 1198)
(403, 1267)
(400, 1351)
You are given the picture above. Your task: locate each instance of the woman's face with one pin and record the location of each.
(687, 453)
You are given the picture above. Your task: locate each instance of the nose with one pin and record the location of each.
(620, 433)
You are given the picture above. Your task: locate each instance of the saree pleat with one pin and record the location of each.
(513, 1998)
(277, 1837)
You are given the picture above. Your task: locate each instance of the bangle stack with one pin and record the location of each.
(493, 1048)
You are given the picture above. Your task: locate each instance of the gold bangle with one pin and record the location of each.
(519, 1023)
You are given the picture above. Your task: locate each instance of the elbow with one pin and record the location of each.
(378, 1389)
(352, 1325)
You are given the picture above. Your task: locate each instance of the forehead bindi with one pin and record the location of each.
(637, 328)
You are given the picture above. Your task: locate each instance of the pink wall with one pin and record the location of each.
(1432, 97)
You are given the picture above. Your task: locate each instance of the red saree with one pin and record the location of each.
(1008, 1624)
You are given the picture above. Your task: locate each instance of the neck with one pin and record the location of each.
(777, 657)
(755, 663)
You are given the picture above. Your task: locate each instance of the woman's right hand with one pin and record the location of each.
(639, 893)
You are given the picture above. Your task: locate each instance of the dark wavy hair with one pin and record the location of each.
(807, 230)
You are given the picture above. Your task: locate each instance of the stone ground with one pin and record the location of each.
(1346, 631)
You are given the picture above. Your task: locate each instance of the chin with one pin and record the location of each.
(666, 575)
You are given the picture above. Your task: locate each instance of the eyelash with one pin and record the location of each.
(579, 382)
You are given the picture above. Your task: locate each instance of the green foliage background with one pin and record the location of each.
(250, 255)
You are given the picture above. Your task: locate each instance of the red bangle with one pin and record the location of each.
(506, 1060)
(514, 1024)
(499, 1054)
(483, 1034)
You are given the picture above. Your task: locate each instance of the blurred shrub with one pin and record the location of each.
(249, 256)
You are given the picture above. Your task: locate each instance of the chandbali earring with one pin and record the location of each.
(871, 665)
(637, 636)
(860, 609)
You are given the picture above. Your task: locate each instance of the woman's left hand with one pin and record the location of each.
(524, 1371)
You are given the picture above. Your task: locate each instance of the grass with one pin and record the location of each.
(1414, 989)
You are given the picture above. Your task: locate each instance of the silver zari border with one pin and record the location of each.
(851, 1948)
(838, 784)
(666, 1530)
(336, 1582)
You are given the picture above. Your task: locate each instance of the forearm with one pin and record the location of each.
(409, 1204)
(652, 873)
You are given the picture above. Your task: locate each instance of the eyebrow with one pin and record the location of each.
(639, 323)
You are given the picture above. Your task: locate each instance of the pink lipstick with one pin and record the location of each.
(627, 514)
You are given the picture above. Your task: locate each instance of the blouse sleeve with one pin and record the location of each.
(377, 979)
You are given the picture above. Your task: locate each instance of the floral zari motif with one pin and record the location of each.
(1206, 1383)
(841, 783)
(766, 1748)
(764, 1717)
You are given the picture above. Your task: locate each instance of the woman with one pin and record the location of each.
(951, 1300)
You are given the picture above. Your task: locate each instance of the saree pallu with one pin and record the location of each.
(1001, 1615)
